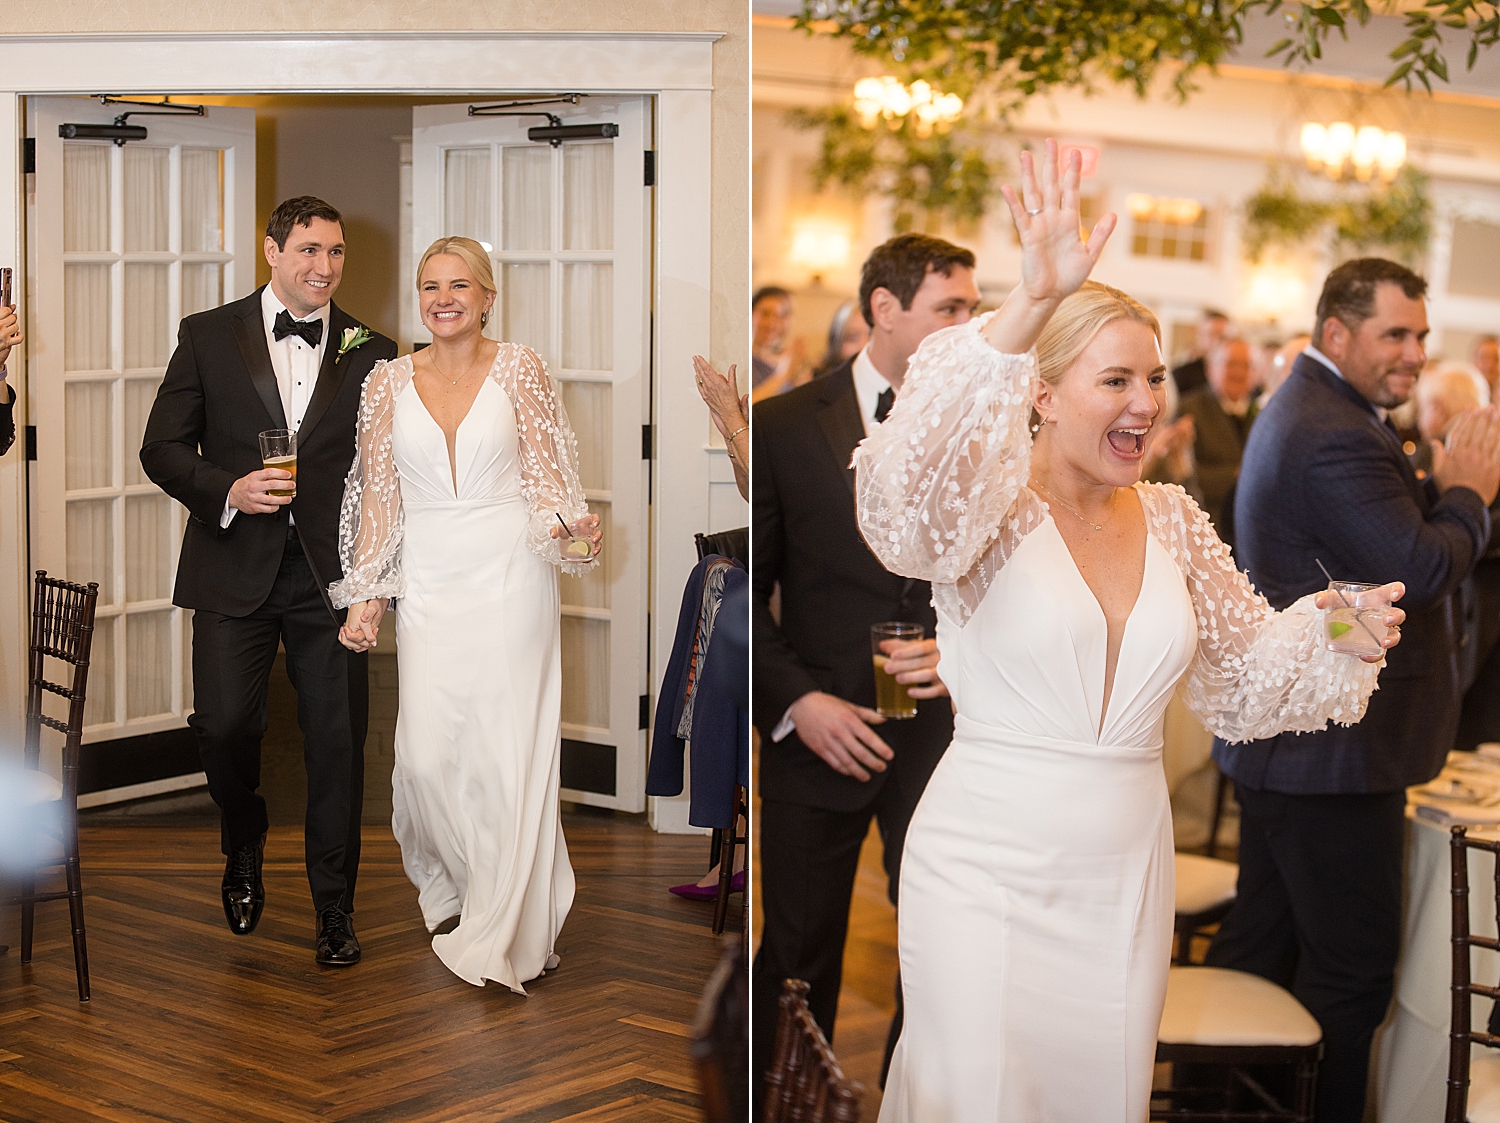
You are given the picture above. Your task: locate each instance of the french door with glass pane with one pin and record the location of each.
(127, 240)
(566, 229)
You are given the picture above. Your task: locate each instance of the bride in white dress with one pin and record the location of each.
(466, 471)
(1037, 884)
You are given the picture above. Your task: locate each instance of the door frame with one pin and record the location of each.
(675, 68)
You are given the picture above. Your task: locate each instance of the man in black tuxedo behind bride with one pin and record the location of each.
(255, 565)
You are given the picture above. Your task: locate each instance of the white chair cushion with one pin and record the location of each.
(1213, 1006)
(1484, 1085)
(38, 787)
(1203, 883)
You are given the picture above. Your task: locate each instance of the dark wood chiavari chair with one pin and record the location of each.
(721, 1039)
(62, 628)
(804, 1083)
(1469, 1077)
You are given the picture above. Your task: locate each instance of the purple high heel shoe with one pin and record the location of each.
(692, 891)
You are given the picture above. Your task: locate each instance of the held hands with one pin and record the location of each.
(1470, 457)
(10, 331)
(362, 625)
(915, 665)
(839, 733)
(1393, 619)
(587, 529)
(252, 494)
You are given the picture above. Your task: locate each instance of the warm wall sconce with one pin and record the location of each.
(885, 97)
(819, 245)
(1368, 149)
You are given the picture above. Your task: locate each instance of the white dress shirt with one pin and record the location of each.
(869, 384)
(296, 366)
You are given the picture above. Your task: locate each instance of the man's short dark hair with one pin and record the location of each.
(1349, 293)
(902, 264)
(298, 212)
(769, 292)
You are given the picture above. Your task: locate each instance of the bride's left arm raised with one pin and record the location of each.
(1258, 672)
(549, 462)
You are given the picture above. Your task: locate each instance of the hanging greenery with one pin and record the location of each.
(945, 176)
(1017, 48)
(1396, 220)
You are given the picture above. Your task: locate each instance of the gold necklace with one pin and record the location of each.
(1113, 495)
(444, 374)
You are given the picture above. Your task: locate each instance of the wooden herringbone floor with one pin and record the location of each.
(193, 1025)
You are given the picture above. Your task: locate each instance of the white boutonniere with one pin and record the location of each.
(353, 337)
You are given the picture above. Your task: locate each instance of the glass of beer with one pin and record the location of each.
(891, 697)
(278, 449)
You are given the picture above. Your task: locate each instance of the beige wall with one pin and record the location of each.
(731, 100)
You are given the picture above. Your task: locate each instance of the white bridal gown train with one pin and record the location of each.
(478, 732)
(1036, 891)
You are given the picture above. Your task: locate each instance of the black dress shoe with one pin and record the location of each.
(337, 944)
(452, 922)
(244, 893)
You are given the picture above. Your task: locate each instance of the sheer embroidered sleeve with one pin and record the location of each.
(549, 453)
(938, 483)
(370, 521)
(1258, 672)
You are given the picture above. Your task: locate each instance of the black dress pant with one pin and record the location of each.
(808, 860)
(232, 660)
(1319, 913)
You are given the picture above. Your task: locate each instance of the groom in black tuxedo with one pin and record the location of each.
(825, 771)
(256, 566)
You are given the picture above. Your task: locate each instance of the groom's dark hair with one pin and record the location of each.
(901, 265)
(298, 212)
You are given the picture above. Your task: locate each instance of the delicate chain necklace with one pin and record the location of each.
(1113, 495)
(444, 374)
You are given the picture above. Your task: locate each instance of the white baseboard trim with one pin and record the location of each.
(141, 791)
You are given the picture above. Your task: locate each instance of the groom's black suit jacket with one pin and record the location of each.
(218, 395)
(832, 590)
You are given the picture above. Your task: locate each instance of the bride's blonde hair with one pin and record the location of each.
(1078, 319)
(472, 254)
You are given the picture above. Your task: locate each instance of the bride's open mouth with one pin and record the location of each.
(1128, 442)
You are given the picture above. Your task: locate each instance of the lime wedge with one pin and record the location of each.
(1338, 628)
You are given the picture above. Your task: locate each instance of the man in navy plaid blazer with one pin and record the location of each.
(1324, 477)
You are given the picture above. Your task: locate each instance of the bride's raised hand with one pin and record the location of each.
(1055, 259)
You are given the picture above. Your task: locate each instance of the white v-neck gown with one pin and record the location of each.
(1037, 880)
(1036, 883)
(478, 732)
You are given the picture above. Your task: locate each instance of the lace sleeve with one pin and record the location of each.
(936, 482)
(370, 520)
(1258, 672)
(549, 453)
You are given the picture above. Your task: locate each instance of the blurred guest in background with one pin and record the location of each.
(1212, 328)
(824, 770)
(847, 335)
(10, 335)
(1279, 365)
(777, 363)
(1222, 412)
(1169, 448)
(1444, 391)
(1322, 815)
(1487, 359)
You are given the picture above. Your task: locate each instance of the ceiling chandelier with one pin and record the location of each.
(1333, 149)
(885, 97)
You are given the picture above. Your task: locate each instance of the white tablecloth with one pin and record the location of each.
(1411, 1058)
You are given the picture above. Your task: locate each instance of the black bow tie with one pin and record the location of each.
(883, 404)
(310, 330)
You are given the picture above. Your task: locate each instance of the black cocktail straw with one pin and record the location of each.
(1340, 594)
(569, 532)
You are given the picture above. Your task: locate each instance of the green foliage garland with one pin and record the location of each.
(945, 176)
(1395, 220)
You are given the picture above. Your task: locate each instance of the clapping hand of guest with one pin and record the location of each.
(362, 625)
(1470, 457)
(1167, 449)
(586, 529)
(915, 664)
(720, 394)
(1394, 617)
(839, 733)
(10, 331)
